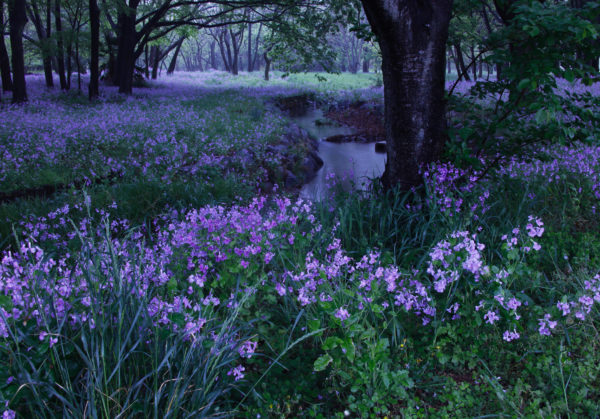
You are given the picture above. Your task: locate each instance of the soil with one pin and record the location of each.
(293, 105)
(365, 120)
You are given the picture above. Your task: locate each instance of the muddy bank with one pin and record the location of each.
(296, 149)
(365, 119)
(298, 153)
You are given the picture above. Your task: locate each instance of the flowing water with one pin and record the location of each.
(353, 164)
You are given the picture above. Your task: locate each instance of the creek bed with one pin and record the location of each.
(353, 164)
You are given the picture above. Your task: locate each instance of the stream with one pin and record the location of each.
(354, 163)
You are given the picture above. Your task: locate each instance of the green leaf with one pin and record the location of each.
(5, 301)
(350, 350)
(322, 362)
(331, 343)
(569, 76)
(523, 84)
(314, 324)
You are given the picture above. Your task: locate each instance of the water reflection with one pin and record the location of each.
(354, 163)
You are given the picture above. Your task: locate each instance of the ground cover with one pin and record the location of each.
(472, 297)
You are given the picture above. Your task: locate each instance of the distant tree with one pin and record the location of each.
(60, 52)
(40, 13)
(173, 63)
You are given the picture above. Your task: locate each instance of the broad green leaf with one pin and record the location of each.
(322, 362)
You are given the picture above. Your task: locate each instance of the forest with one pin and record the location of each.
(299, 208)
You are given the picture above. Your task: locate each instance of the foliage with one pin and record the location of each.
(540, 51)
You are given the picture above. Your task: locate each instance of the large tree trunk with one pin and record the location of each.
(412, 36)
(17, 18)
(60, 58)
(94, 49)
(126, 49)
(4, 58)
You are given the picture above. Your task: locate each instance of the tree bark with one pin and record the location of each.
(43, 32)
(474, 64)
(173, 62)
(146, 62)
(213, 56)
(4, 58)
(17, 18)
(126, 48)
(69, 63)
(155, 58)
(222, 48)
(267, 66)
(93, 90)
(412, 36)
(250, 66)
(236, 53)
(48, 64)
(460, 63)
(255, 65)
(60, 58)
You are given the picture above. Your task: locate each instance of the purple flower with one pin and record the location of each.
(564, 307)
(510, 336)
(546, 325)
(342, 314)
(491, 317)
(237, 372)
(248, 349)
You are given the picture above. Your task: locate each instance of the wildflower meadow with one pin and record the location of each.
(145, 272)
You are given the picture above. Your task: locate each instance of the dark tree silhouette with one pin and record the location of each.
(43, 29)
(17, 18)
(4, 59)
(94, 48)
(60, 57)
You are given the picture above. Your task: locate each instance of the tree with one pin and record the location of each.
(171, 68)
(17, 18)
(94, 49)
(412, 36)
(60, 58)
(4, 59)
(43, 30)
